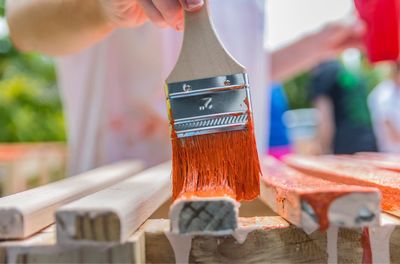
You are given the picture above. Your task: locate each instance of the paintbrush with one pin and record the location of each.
(208, 98)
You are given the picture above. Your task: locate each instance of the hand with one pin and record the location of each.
(163, 13)
(335, 38)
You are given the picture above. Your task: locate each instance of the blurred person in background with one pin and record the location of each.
(112, 65)
(279, 144)
(340, 97)
(384, 104)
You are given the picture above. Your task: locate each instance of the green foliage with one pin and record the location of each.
(30, 106)
(297, 91)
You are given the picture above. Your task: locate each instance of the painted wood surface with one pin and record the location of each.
(113, 214)
(347, 172)
(314, 203)
(26, 213)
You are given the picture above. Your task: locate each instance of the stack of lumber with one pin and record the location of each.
(324, 209)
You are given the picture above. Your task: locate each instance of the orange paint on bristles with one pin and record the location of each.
(224, 163)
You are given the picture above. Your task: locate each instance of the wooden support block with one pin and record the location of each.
(314, 203)
(42, 248)
(270, 240)
(257, 240)
(26, 213)
(348, 172)
(202, 215)
(113, 214)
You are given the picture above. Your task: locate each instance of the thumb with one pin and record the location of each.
(192, 5)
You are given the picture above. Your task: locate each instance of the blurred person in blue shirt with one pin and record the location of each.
(279, 143)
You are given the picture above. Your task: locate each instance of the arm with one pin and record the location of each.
(58, 27)
(310, 50)
(55, 26)
(393, 133)
(326, 124)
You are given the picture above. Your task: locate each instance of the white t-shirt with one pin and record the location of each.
(384, 106)
(113, 92)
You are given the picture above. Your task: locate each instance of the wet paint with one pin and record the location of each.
(345, 172)
(292, 186)
(215, 163)
(331, 248)
(366, 245)
(181, 245)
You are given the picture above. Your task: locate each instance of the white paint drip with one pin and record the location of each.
(241, 233)
(181, 244)
(380, 243)
(331, 248)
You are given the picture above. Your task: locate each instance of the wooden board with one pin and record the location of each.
(42, 248)
(314, 203)
(113, 214)
(202, 215)
(353, 173)
(25, 213)
(269, 240)
(381, 160)
(273, 240)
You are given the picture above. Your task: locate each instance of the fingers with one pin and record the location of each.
(152, 12)
(171, 10)
(192, 5)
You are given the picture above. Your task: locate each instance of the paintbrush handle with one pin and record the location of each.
(202, 54)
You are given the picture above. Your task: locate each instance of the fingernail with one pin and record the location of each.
(194, 4)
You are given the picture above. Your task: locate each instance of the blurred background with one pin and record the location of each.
(32, 128)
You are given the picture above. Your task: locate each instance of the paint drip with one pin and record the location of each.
(380, 243)
(181, 245)
(366, 244)
(332, 238)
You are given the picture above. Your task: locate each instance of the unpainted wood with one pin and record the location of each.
(42, 248)
(202, 54)
(26, 213)
(113, 214)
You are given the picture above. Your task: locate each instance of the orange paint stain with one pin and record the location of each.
(292, 186)
(366, 245)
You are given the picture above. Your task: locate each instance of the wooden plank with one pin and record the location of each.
(204, 215)
(113, 214)
(273, 240)
(314, 203)
(381, 160)
(352, 173)
(269, 240)
(25, 213)
(42, 248)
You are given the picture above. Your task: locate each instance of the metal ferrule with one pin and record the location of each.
(211, 105)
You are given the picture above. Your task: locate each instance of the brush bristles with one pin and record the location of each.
(216, 164)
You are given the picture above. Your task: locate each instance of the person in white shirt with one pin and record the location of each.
(112, 65)
(384, 102)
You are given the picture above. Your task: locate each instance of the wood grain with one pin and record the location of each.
(314, 203)
(26, 213)
(113, 214)
(273, 240)
(42, 248)
(202, 54)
